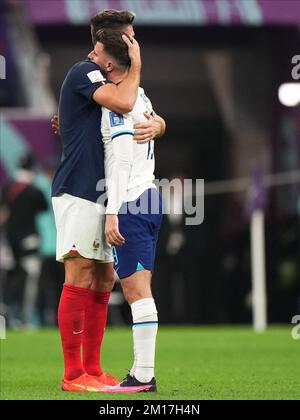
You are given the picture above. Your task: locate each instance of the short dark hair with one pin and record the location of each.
(115, 46)
(111, 19)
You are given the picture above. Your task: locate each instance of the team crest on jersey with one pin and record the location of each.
(96, 245)
(116, 119)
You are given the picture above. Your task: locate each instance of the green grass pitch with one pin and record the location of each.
(192, 363)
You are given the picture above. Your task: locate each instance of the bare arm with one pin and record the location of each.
(121, 98)
(163, 126)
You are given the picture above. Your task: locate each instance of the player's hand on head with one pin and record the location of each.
(134, 50)
(112, 233)
(55, 125)
(148, 130)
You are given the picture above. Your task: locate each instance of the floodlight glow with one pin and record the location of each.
(289, 94)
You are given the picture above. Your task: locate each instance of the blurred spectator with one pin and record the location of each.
(10, 88)
(21, 202)
(171, 260)
(52, 273)
(299, 255)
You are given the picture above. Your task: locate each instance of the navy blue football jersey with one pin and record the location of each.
(82, 164)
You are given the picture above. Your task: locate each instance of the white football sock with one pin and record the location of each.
(145, 325)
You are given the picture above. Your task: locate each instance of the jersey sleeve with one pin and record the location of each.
(121, 135)
(119, 125)
(147, 102)
(87, 79)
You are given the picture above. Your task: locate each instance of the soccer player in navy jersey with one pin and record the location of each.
(80, 222)
(133, 213)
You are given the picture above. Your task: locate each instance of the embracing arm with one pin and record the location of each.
(163, 126)
(121, 98)
(154, 128)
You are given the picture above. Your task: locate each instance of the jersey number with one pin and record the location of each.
(150, 154)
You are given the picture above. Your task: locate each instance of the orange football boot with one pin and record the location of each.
(85, 383)
(108, 379)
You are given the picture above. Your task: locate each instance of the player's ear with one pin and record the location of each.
(110, 66)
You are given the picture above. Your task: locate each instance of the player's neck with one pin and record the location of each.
(117, 76)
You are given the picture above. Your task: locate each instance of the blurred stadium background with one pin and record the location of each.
(212, 69)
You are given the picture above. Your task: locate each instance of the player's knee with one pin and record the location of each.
(105, 277)
(137, 286)
(108, 280)
(87, 275)
(133, 293)
(80, 273)
(85, 281)
(105, 283)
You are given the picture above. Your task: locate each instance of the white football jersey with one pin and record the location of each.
(129, 166)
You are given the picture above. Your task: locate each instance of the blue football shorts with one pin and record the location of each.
(139, 224)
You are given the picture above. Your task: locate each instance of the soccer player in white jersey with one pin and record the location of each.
(133, 213)
(81, 246)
